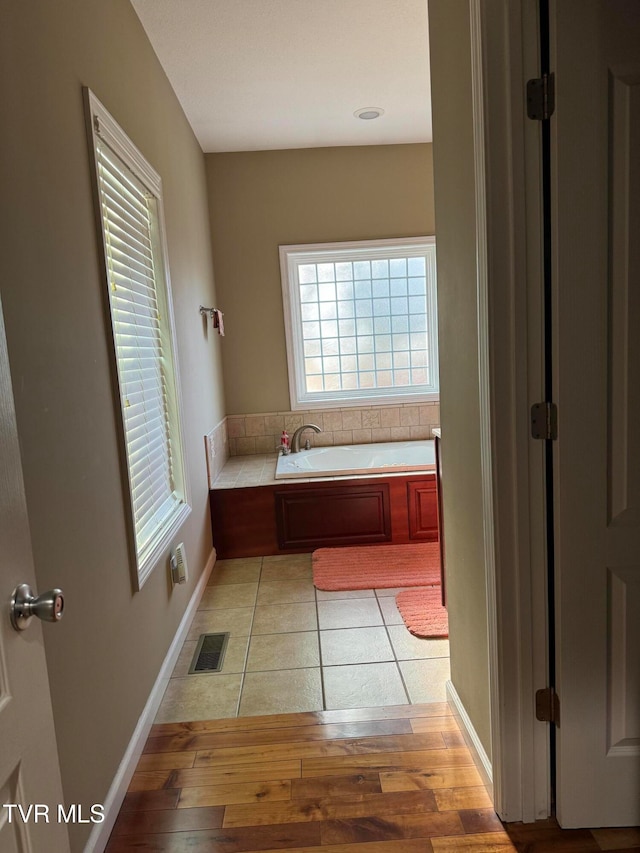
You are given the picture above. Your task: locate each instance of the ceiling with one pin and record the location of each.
(264, 74)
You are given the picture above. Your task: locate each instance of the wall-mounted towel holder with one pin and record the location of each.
(216, 317)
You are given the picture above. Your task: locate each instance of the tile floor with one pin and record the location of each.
(293, 648)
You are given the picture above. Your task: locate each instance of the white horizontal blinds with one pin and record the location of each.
(129, 219)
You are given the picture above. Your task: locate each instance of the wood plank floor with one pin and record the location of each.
(379, 780)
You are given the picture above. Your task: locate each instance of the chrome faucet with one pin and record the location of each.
(295, 441)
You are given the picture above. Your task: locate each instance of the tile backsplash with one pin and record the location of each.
(260, 433)
(216, 445)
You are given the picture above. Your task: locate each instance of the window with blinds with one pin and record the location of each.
(130, 206)
(360, 321)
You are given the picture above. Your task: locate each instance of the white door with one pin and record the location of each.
(595, 53)
(29, 771)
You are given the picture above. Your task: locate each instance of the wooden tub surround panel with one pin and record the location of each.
(379, 780)
(287, 518)
(343, 515)
(422, 506)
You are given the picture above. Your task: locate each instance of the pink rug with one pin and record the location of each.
(376, 566)
(423, 612)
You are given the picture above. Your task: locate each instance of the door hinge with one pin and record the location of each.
(544, 421)
(547, 706)
(541, 97)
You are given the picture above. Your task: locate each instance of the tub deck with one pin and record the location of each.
(260, 470)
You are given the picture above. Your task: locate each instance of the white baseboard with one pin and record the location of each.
(101, 831)
(478, 753)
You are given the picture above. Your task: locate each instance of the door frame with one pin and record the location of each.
(505, 54)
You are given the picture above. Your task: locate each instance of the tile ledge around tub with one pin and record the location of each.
(235, 478)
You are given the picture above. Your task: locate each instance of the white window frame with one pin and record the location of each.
(293, 256)
(145, 555)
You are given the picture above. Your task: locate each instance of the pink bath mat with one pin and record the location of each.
(423, 613)
(376, 566)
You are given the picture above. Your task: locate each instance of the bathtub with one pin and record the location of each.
(385, 458)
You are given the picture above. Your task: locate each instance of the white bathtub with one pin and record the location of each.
(388, 457)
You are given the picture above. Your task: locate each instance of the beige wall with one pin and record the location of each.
(104, 656)
(260, 200)
(458, 350)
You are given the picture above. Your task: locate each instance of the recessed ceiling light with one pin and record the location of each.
(368, 113)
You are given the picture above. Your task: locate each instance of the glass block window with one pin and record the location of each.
(360, 320)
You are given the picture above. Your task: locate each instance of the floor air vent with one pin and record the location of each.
(209, 653)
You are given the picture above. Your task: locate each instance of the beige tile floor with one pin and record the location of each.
(294, 648)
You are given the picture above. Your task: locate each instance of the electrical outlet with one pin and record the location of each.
(178, 562)
(173, 567)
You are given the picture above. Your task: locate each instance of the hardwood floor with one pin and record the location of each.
(378, 780)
